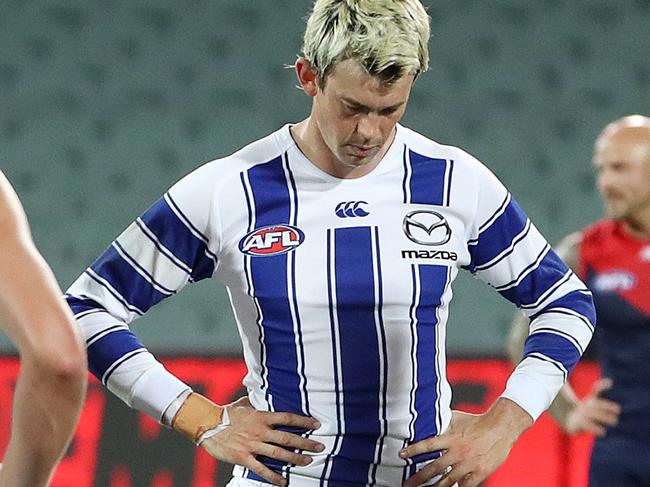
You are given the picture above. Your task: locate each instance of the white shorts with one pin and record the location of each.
(242, 482)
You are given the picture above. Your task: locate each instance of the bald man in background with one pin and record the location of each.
(52, 382)
(612, 256)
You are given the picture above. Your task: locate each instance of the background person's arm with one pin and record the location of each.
(51, 386)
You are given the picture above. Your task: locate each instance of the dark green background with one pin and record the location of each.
(105, 104)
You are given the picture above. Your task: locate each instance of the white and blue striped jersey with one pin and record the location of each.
(341, 291)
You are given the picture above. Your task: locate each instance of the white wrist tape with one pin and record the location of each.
(225, 422)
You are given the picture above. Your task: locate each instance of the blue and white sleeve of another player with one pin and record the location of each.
(162, 251)
(511, 255)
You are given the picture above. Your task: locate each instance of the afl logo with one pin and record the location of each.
(271, 240)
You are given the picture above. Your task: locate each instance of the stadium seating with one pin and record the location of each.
(106, 104)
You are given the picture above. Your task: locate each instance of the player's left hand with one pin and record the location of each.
(473, 446)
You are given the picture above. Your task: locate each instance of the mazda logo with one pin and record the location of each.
(426, 227)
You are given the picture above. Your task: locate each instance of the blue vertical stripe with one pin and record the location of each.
(359, 349)
(294, 296)
(335, 360)
(249, 284)
(427, 182)
(450, 174)
(292, 257)
(384, 352)
(408, 470)
(270, 285)
(433, 281)
(270, 193)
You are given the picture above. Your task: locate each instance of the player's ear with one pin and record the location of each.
(307, 76)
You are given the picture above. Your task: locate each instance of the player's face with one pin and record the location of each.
(356, 113)
(622, 163)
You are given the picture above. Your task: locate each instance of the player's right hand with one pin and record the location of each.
(594, 414)
(252, 433)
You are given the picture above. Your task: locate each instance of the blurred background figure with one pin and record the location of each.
(52, 382)
(612, 256)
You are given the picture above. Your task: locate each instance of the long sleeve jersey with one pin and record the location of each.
(341, 291)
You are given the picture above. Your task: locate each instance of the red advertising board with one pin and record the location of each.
(116, 447)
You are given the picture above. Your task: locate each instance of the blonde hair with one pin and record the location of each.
(388, 37)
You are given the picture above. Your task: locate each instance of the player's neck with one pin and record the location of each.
(310, 142)
(638, 225)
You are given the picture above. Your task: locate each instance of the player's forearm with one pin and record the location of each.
(507, 415)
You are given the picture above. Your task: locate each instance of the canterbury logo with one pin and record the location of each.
(351, 209)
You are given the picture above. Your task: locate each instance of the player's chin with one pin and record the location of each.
(616, 212)
(354, 161)
(615, 207)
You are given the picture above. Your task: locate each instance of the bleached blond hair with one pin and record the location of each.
(389, 38)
